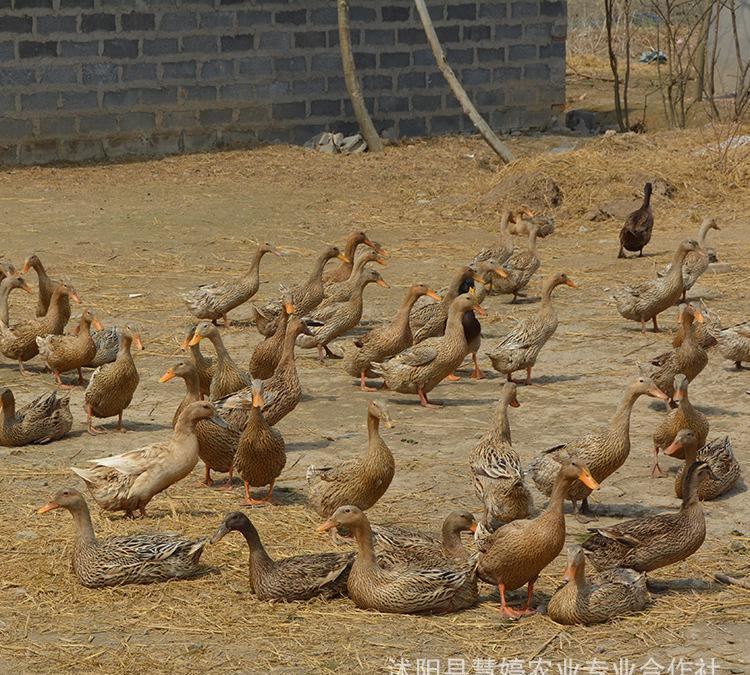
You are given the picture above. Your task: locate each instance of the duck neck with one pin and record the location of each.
(647, 197)
(55, 309)
(579, 578)
(454, 326)
(557, 498)
(282, 324)
(690, 497)
(620, 424)
(255, 423)
(350, 251)
(316, 277)
(402, 316)
(84, 329)
(5, 289)
(454, 289)
(549, 287)
(363, 536)
(200, 360)
(703, 232)
(258, 555)
(501, 430)
(9, 410)
(253, 274)
(221, 351)
(192, 387)
(83, 526)
(124, 353)
(373, 431)
(532, 240)
(690, 338)
(675, 271)
(41, 273)
(287, 353)
(452, 540)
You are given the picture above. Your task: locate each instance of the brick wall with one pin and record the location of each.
(96, 79)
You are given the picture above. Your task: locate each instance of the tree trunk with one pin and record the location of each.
(458, 91)
(609, 12)
(366, 127)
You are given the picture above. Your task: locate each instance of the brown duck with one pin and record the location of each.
(204, 365)
(44, 419)
(228, 376)
(267, 354)
(47, 287)
(345, 268)
(636, 232)
(7, 284)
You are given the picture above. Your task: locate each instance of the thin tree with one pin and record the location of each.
(366, 127)
(458, 91)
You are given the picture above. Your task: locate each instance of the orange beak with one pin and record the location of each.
(167, 376)
(75, 297)
(433, 295)
(289, 308)
(382, 282)
(380, 260)
(569, 574)
(196, 339)
(26, 287)
(473, 527)
(26, 267)
(48, 507)
(571, 283)
(325, 527)
(588, 480)
(258, 401)
(500, 272)
(678, 395)
(514, 403)
(137, 341)
(673, 449)
(185, 344)
(698, 315)
(343, 258)
(97, 324)
(480, 310)
(657, 393)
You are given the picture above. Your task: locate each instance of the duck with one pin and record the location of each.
(725, 471)
(695, 264)
(360, 482)
(298, 578)
(342, 291)
(204, 365)
(598, 598)
(216, 300)
(428, 319)
(305, 297)
(46, 418)
(107, 341)
(684, 416)
(46, 288)
(496, 469)
(516, 553)
(346, 266)
(267, 354)
(282, 391)
(217, 444)
(130, 559)
(401, 590)
(503, 249)
(648, 543)
(338, 318)
(111, 387)
(398, 546)
(419, 369)
(472, 330)
(18, 342)
(67, 352)
(636, 232)
(545, 224)
(387, 340)
(129, 481)
(261, 452)
(8, 269)
(603, 451)
(688, 359)
(734, 343)
(706, 332)
(9, 283)
(520, 348)
(228, 377)
(646, 300)
(519, 268)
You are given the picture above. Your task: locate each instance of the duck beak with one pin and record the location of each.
(380, 260)
(75, 297)
(258, 401)
(473, 527)
(137, 341)
(480, 310)
(97, 324)
(220, 533)
(343, 258)
(514, 403)
(569, 574)
(588, 480)
(196, 339)
(431, 294)
(655, 392)
(289, 308)
(571, 283)
(167, 376)
(325, 527)
(387, 421)
(277, 251)
(185, 344)
(382, 282)
(679, 394)
(674, 448)
(500, 272)
(698, 315)
(26, 266)
(48, 507)
(26, 287)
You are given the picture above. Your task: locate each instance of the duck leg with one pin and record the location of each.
(90, 424)
(249, 501)
(504, 609)
(528, 376)
(81, 381)
(227, 322)
(227, 484)
(452, 378)
(509, 376)
(423, 400)
(24, 371)
(585, 514)
(119, 426)
(656, 471)
(656, 326)
(477, 373)
(643, 326)
(330, 354)
(207, 480)
(527, 609)
(59, 382)
(362, 384)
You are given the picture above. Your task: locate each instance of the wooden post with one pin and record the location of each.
(366, 127)
(458, 91)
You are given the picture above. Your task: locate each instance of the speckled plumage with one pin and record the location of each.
(44, 419)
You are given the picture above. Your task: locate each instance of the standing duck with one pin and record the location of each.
(645, 301)
(112, 385)
(695, 264)
(66, 352)
(7, 284)
(361, 481)
(18, 342)
(545, 224)
(402, 590)
(516, 553)
(305, 297)
(651, 542)
(603, 452)
(496, 469)
(725, 471)
(419, 369)
(267, 354)
(217, 444)
(300, 577)
(228, 377)
(636, 232)
(519, 268)
(734, 343)
(598, 598)
(261, 453)
(684, 416)
(341, 291)
(212, 301)
(45, 419)
(128, 482)
(107, 341)
(503, 249)
(385, 341)
(520, 348)
(345, 268)
(46, 285)
(204, 365)
(339, 317)
(129, 559)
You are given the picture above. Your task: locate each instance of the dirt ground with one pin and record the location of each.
(158, 228)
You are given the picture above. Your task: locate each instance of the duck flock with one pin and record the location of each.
(228, 415)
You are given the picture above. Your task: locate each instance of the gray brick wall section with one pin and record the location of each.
(101, 79)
